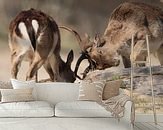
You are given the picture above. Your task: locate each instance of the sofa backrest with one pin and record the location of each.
(57, 92)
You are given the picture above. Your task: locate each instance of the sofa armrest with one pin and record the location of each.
(127, 118)
(128, 115)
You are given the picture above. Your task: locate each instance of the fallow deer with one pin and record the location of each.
(127, 20)
(34, 36)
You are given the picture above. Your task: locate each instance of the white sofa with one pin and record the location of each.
(63, 97)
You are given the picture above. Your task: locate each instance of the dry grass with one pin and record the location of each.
(142, 101)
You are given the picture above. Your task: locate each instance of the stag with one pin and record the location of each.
(127, 20)
(34, 37)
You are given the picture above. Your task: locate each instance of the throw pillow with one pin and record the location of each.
(18, 84)
(91, 91)
(16, 95)
(5, 85)
(111, 89)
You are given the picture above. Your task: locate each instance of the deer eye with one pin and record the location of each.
(100, 52)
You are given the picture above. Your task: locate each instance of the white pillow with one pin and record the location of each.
(16, 95)
(80, 109)
(26, 109)
(5, 85)
(17, 84)
(91, 91)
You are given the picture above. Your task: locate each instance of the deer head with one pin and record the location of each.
(103, 54)
(65, 70)
(98, 53)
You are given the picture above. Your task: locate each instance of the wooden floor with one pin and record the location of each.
(148, 126)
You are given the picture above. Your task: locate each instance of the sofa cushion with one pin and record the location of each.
(111, 89)
(26, 109)
(5, 85)
(91, 91)
(16, 95)
(57, 92)
(80, 109)
(18, 84)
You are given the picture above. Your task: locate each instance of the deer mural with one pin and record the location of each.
(34, 36)
(137, 19)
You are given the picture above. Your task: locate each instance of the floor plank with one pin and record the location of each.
(148, 126)
(141, 126)
(136, 128)
(158, 125)
(151, 126)
(161, 124)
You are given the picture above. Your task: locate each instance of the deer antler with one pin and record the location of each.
(74, 32)
(84, 45)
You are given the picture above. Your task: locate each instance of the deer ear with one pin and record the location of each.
(70, 58)
(97, 37)
(96, 40)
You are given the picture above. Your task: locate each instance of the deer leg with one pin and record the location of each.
(139, 53)
(36, 64)
(16, 62)
(49, 70)
(36, 75)
(55, 67)
(160, 54)
(126, 62)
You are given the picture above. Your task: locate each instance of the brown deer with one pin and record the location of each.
(34, 36)
(137, 19)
